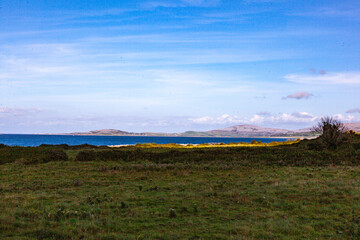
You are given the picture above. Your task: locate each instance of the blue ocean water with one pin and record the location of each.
(36, 140)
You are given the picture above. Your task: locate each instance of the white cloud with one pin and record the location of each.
(257, 119)
(296, 117)
(269, 119)
(223, 119)
(340, 78)
(345, 118)
(202, 120)
(302, 115)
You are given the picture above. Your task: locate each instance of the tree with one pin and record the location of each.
(331, 131)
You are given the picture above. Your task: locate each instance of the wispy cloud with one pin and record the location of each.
(181, 3)
(333, 12)
(265, 1)
(299, 95)
(181, 78)
(333, 78)
(69, 63)
(11, 111)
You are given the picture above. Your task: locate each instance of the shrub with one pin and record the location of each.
(315, 146)
(87, 155)
(54, 155)
(331, 131)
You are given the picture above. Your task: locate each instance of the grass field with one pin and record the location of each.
(298, 191)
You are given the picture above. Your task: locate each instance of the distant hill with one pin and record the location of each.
(106, 132)
(233, 131)
(115, 132)
(250, 131)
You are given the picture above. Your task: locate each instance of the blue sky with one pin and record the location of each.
(171, 66)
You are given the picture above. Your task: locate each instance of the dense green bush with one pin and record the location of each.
(62, 146)
(53, 155)
(28, 155)
(86, 155)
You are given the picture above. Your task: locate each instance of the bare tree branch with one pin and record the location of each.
(331, 131)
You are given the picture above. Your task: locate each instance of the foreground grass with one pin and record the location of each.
(98, 200)
(289, 192)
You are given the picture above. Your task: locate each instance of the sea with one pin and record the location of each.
(29, 140)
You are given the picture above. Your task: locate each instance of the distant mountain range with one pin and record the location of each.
(234, 131)
(250, 131)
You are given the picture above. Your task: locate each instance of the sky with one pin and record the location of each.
(177, 65)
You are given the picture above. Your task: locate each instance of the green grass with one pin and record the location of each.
(288, 192)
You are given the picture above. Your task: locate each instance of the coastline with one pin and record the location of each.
(175, 136)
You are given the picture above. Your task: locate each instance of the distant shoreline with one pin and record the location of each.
(175, 136)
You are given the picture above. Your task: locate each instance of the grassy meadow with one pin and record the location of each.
(278, 191)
